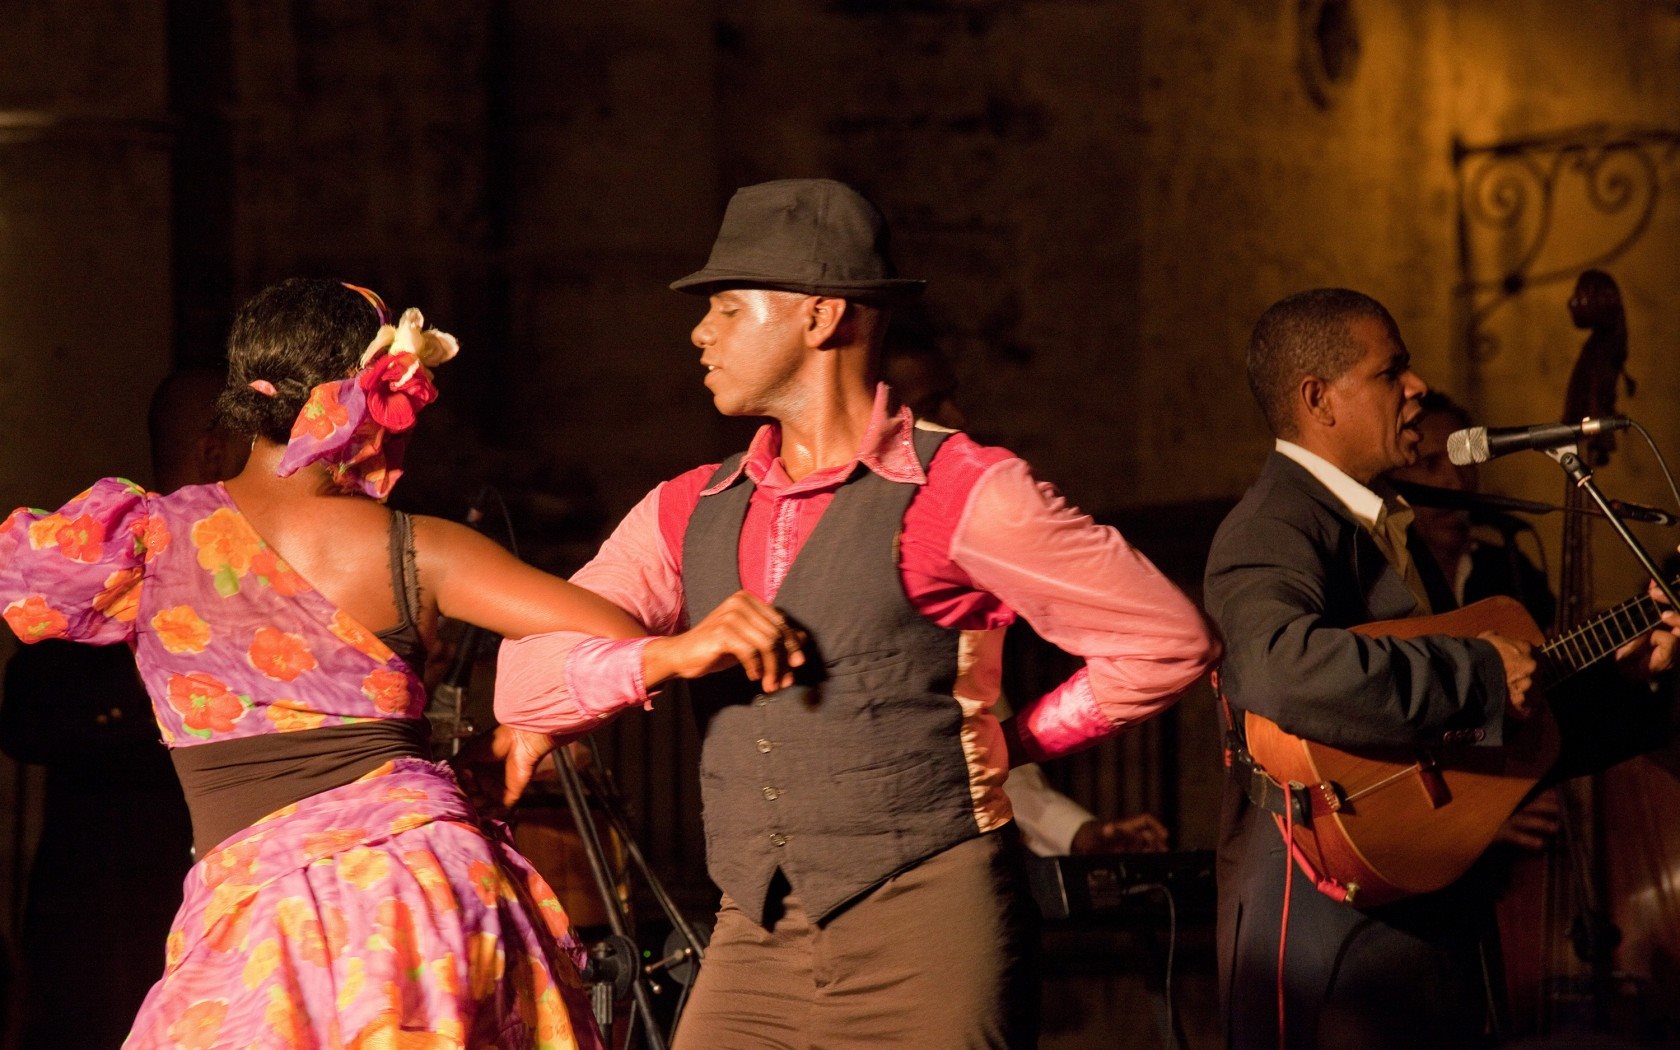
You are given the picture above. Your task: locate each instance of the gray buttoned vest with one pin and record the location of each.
(856, 771)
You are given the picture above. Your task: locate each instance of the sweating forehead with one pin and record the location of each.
(763, 297)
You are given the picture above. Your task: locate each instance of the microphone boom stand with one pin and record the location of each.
(607, 797)
(590, 835)
(616, 961)
(1594, 930)
(1570, 460)
(693, 950)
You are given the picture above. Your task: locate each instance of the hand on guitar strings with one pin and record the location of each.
(1643, 659)
(1518, 658)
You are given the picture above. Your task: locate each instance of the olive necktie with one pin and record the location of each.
(1389, 531)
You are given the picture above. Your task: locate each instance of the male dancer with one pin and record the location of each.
(854, 811)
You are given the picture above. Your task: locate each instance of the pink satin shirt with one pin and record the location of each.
(983, 542)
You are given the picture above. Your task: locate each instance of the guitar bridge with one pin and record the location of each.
(1433, 782)
(1329, 797)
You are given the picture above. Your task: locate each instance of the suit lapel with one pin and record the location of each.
(1382, 594)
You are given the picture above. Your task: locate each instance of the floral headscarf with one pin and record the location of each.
(359, 426)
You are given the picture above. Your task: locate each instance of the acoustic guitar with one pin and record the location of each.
(1388, 823)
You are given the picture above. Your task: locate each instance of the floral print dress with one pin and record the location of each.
(376, 914)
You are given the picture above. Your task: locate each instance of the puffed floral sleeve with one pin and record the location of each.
(75, 573)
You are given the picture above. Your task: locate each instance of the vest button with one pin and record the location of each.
(772, 794)
(778, 839)
(763, 746)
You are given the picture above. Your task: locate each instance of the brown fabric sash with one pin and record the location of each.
(232, 784)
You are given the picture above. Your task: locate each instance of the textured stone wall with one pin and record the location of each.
(84, 242)
(1524, 77)
(1103, 195)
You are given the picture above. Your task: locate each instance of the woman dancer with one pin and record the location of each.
(346, 894)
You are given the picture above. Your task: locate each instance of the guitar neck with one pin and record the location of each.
(1598, 637)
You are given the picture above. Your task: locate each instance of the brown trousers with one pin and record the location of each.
(940, 955)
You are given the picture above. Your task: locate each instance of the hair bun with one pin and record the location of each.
(245, 410)
(289, 338)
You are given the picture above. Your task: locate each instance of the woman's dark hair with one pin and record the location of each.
(294, 335)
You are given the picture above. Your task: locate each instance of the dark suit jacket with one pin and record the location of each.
(1290, 569)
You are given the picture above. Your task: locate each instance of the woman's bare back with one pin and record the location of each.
(340, 544)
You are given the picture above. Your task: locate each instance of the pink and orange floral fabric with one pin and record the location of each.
(377, 914)
(373, 915)
(223, 629)
(360, 426)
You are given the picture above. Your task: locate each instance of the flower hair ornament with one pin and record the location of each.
(359, 426)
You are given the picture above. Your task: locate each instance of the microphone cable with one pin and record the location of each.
(445, 708)
(1661, 462)
(1169, 1033)
(475, 514)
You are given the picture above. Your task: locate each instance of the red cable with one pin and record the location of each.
(1329, 887)
(1288, 884)
(1336, 891)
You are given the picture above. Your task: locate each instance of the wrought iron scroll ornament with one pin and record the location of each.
(1511, 189)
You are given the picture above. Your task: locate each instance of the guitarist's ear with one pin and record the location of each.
(1315, 401)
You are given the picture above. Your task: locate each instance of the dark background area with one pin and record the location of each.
(1103, 195)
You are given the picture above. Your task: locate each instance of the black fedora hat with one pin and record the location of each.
(815, 236)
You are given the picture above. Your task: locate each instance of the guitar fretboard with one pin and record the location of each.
(1598, 637)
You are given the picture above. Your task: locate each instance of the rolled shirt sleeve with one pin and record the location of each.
(570, 682)
(1048, 819)
(1086, 590)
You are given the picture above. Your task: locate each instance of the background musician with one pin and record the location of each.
(1476, 562)
(1319, 545)
(115, 839)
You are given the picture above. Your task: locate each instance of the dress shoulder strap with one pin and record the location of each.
(405, 581)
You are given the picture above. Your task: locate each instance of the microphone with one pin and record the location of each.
(1480, 444)
(1419, 495)
(1640, 512)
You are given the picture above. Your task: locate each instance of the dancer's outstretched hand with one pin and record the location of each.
(521, 751)
(495, 769)
(743, 630)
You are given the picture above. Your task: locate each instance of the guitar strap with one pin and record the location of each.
(1288, 804)
(1298, 802)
